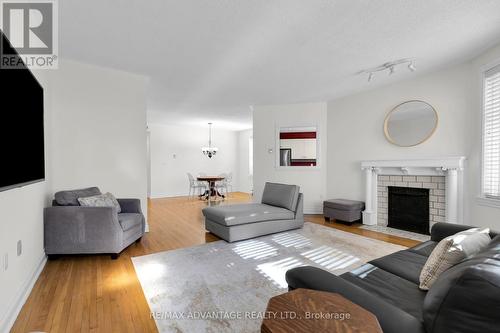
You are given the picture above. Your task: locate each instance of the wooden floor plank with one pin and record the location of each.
(97, 294)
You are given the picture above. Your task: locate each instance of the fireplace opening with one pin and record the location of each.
(409, 209)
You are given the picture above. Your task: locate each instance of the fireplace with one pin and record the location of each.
(443, 177)
(408, 209)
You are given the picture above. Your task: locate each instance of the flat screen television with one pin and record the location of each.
(22, 156)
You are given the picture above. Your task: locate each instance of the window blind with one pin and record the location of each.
(491, 133)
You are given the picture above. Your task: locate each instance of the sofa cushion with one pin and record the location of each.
(129, 220)
(230, 215)
(452, 250)
(344, 204)
(400, 292)
(424, 249)
(281, 195)
(70, 198)
(405, 264)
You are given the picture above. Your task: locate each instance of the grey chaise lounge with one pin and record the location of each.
(281, 209)
(72, 229)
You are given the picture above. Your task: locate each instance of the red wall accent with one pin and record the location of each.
(298, 135)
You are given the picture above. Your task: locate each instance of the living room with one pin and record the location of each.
(392, 105)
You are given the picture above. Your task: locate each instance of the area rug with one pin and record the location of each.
(223, 287)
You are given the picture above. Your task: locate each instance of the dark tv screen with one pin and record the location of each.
(22, 160)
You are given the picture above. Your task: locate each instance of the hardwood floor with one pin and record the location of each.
(97, 294)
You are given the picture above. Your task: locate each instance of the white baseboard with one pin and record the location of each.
(18, 301)
(313, 208)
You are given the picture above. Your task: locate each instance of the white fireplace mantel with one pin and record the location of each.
(450, 167)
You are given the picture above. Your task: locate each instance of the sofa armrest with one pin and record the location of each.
(130, 205)
(77, 229)
(391, 318)
(299, 210)
(442, 230)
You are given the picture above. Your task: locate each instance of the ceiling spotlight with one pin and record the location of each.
(388, 66)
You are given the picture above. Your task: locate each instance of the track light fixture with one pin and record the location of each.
(389, 66)
(411, 67)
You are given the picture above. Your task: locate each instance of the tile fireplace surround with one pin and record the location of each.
(443, 176)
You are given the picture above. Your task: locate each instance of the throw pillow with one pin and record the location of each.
(102, 200)
(452, 250)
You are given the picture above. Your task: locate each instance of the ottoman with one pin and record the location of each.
(343, 210)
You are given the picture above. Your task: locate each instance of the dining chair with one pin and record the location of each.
(195, 185)
(223, 185)
(229, 181)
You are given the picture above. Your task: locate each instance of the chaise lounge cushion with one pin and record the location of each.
(70, 198)
(281, 195)
(231, 215)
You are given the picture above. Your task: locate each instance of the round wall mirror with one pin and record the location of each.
(410, 123)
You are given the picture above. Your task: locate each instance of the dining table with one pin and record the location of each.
(212, 190)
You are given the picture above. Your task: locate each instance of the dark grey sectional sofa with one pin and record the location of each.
(465, 298)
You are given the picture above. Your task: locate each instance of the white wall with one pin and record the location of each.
(95, 134)
(266, 120)
(245, 179)
(480, 214)
(99, 130)
(168, 172)
(22, 219)
(355, 132)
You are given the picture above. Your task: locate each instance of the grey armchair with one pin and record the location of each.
(73, 229)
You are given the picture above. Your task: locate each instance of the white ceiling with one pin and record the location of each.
(209, 60)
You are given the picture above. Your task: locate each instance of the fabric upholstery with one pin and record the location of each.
(405, 264)
(343, 209)
(247, 213)
(251, 230)
(84, 230)
(450, 251)
(344, 204)
(70, 198)
(75, 230)
(238, 222)
(130, 205)
(342, 215)
(101, 200)
(281, 195)
(129, 220)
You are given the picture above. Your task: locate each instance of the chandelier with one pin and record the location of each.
(209, 151)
